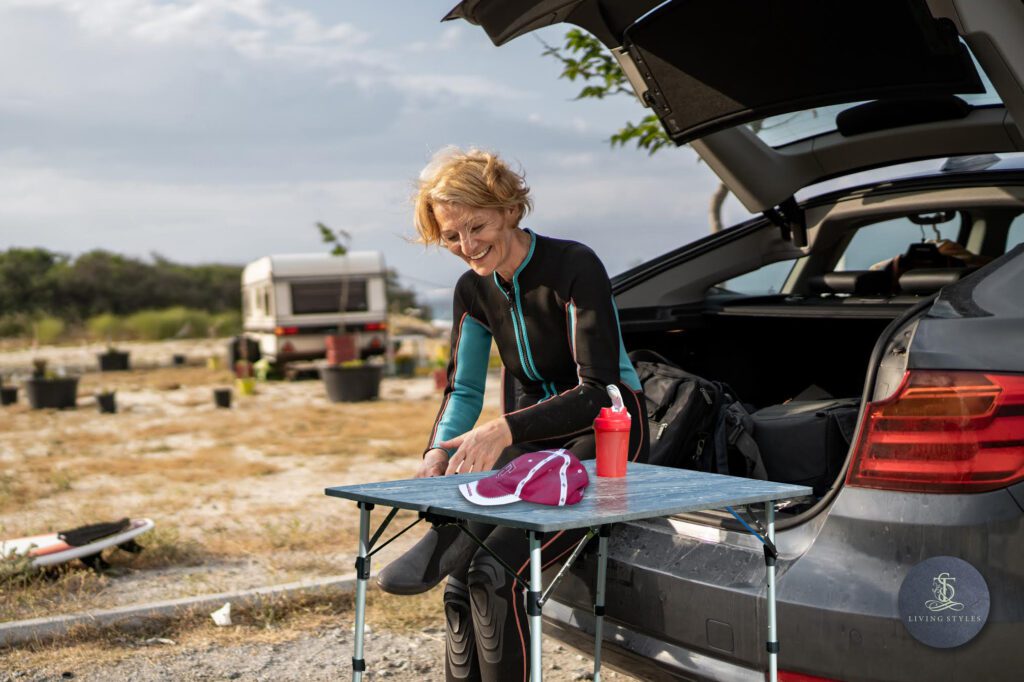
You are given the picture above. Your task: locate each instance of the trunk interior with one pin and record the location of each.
(768, 360)
(790, 372)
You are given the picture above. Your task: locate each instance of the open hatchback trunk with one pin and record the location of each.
(778, 95)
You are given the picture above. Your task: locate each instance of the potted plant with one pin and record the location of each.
(46, 389)
(341, 346)
(352, 381)
(245, 382)
(405, 365)
(106, 401)
(440, 367)
(8, 394)
(346, 377)
(222, 397)
(113, 360)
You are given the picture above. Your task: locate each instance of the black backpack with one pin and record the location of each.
(695, 423)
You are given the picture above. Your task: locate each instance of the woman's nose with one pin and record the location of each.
(468, 244)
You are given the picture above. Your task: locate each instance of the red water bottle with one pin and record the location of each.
(611, 431)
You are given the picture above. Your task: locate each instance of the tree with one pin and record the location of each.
(28, 280)
(403, 300)
(584, 58)
(339, 238)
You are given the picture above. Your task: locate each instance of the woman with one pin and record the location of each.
(547, 304)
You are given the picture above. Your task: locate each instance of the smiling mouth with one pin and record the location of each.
(480, 255)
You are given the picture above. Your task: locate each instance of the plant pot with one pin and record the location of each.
(60, 393)
(222, 397)
(113, 361)
(351, 384)
(245, 385)
(340, 348)
(8, 395)
(106, 402)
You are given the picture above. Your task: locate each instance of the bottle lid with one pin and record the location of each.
(610, 420)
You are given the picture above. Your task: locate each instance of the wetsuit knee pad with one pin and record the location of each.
(460, 648)
(489, 601)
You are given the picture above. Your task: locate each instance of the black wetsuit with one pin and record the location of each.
(557, 332)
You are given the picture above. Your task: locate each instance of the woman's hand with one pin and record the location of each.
(480, 448)
(434, 464)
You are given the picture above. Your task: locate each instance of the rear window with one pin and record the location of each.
(778, 131)
(873, 245)
(768, 279)
(326, 297)
(1016, 234)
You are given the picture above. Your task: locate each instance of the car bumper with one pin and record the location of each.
(672, 595)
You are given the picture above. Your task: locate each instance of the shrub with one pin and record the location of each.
(227, 323)
(48, 329)
(105, 327)
(15, 325)
(177, 322)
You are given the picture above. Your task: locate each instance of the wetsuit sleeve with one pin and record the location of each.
(467, 371)
(596, 345)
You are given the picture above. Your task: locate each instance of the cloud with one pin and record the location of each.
(450, 39)
(255, 28)
(222, 130)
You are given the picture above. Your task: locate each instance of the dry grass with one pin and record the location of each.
(237, 495)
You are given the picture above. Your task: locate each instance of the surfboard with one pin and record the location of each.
(49, 549)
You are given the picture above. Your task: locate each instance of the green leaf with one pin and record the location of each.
(585, 59)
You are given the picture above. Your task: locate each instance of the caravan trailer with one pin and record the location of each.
(290, 302)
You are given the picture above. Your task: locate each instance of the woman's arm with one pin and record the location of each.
(596, 345)
(467, 372)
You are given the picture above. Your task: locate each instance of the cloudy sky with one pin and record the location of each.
(222, 130)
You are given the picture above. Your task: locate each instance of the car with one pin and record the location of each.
(902, 294)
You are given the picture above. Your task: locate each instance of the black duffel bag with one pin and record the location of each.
(805, 441)
(695, 423)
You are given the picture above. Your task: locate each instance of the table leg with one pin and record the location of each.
(602, 574)
(773, 638)
(362, 576)
(533, 608)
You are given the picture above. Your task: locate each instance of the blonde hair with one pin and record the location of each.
(472, 178)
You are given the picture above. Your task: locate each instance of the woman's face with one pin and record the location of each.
(483, 237)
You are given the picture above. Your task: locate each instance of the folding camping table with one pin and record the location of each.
(645, 492)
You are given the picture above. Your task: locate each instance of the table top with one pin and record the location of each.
(647, 491)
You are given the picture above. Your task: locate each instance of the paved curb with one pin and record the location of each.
(136, 615)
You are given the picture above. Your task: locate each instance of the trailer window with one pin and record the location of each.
(326, 297)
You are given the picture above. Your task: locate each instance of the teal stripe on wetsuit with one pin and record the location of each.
(467, 397)
(549, 386)
(627, 373)
(519, 324)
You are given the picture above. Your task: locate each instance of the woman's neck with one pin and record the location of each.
(517, 254)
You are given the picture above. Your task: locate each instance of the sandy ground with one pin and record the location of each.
(319, 655)
(237, 497)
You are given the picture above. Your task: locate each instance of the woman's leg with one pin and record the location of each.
(460, 663)
(499, 626)
(497, 604)
(461, 659)
(497, 601)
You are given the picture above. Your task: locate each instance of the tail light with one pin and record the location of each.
(286, 331)
(375, 326)
(943, 431)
